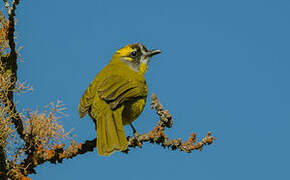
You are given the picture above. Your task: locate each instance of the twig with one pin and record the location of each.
(158, 136)
(6, 4)
(15, 172)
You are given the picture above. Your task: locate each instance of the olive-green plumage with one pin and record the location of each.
(117, 96)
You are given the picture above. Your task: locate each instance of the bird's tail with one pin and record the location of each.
(110, 133)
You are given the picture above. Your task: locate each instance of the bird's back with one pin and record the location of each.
(114, 83)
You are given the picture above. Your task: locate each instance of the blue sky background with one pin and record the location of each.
(224, 68)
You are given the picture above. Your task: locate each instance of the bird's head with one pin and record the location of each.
(136, 56)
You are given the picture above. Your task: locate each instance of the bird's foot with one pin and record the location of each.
(135, 133)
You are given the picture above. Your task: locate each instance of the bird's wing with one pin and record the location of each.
(116, 89)
(87, 99)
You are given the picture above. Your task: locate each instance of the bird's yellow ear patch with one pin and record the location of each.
(125, 51)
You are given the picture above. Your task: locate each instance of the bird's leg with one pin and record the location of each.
(134, 130)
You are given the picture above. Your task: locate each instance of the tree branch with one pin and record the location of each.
(157, 136)
(11, 65)
(3, 166)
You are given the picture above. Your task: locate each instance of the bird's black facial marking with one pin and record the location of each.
(139, 48)
(136, 56)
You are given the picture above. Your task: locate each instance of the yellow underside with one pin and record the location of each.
(132, 110)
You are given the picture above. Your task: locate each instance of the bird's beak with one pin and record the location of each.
(151, 53)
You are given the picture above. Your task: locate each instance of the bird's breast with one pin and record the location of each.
(132, 110)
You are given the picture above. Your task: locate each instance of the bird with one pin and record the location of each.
(117, 96)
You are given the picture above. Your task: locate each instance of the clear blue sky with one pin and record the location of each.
(224, 68)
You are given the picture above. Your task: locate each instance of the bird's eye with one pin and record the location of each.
(133, 53)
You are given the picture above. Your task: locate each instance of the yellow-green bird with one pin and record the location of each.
(117, 96)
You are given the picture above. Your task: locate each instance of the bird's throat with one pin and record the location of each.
(143, 68)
